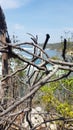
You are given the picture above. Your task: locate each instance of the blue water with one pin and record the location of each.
(50, 53)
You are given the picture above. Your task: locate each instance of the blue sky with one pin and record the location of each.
(39, 17)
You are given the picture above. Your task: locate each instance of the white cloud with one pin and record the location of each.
(18, 27)
(9, 4)
(6, 4)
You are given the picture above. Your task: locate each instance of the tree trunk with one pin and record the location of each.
(4, 73)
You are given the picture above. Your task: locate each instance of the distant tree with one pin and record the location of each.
(61, 39)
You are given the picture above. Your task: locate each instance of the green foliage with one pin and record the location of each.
(55, 58)
(65, 109)
(58, 97)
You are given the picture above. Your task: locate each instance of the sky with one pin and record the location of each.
(39, 17)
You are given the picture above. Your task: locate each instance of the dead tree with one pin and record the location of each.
(3, 32)
(35, 77)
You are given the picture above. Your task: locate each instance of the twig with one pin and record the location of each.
(36, 87)
(64, 50)
(58, 119)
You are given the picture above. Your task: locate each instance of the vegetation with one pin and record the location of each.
(59, 46)
(59, 97)
(26, 84)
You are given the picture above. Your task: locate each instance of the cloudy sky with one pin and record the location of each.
(39, 17)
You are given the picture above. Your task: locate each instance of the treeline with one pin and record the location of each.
(59, 46)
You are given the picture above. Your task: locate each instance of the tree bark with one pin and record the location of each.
(4, 84)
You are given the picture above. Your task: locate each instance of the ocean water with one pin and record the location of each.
(50, 53)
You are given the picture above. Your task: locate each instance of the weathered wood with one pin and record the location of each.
(4, 72)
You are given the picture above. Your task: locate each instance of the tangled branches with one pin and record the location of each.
(36, 75)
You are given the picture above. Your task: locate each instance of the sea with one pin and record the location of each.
(50, 53)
